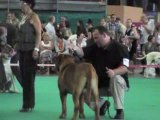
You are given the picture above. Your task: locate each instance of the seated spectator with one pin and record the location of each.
(81, 41)
(78, 40)
(46, 43)
(46, 53)
(60, 44)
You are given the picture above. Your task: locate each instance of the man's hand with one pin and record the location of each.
(110, 72)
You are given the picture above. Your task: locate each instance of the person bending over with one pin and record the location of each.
(111, 62)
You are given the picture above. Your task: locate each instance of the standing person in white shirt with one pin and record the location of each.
(50, 27)
(147, 29)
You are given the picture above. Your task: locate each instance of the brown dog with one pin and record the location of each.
(78, 79)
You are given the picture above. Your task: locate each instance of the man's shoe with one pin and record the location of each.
(104, 108)
(119, 116)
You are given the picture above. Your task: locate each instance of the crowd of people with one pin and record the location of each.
(110, 47)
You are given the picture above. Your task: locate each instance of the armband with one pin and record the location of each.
(126, 62)
(36, 49)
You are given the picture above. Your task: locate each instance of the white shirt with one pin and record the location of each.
(50, 30)
(150, 25)
(73, 39)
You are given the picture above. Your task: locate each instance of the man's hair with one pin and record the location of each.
(30, 2)
(51, 18)
(101, 29)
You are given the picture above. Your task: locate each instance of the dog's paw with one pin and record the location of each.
(81, 115)
(62, 116)
(146, 76)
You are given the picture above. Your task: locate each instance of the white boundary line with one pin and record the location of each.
(49, 65)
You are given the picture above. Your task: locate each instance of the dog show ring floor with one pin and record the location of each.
(142, 101)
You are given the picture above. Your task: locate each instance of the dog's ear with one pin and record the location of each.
(69, 57)
(58, 60)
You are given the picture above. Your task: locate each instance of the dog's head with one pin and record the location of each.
(7, 51)
(157, 60)
(62, 60)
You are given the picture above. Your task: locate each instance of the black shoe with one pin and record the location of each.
(119, 116)
(104, 108)
(26, 110)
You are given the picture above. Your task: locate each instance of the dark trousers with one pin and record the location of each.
(16, 69)
(28, 72)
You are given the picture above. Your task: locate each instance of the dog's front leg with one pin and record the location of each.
(81, 110)
(63, 97)
(146, 73)
(76, 106)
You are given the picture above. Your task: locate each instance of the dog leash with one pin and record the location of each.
(109, 110)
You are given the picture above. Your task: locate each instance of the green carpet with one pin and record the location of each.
(142, 102)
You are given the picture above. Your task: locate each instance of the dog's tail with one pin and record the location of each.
(141, 57)
(89, 91)
(90, 82)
